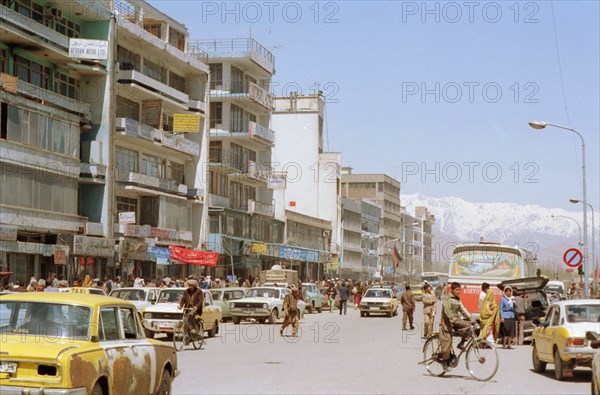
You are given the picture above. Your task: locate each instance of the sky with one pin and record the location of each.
(438, 94)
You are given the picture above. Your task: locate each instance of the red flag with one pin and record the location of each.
(397, 257)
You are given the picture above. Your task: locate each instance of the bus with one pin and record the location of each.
(472, 264)
(434, 278)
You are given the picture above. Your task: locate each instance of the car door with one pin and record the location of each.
(542, 337)
(209, 313)
(227, 298)
(550, 333)
(111, 341)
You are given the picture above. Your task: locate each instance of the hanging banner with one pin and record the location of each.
(162, 255)
(194, 257)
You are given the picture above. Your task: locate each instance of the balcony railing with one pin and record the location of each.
(260, 96)
(258, 132)
(254, 172)
(255, 207)
(130, 13)
(32, 27)
(247, 47)
(161, 89)
(152, 182)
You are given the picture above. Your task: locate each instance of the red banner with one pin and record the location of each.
(194, 257)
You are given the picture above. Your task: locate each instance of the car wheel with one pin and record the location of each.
(362, 314)
(367, 314)
(559, 373)
(273, 316)
(236, 320)
(214, 330)
(261, 320)
(390, 314)
(97, 390)
(320, 309)
(165, 384)
(538, 366)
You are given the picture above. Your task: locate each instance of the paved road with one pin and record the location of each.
(347, 354)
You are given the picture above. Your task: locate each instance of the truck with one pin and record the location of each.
(278, 275)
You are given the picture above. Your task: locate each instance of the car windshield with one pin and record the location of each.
(583, 313)
(554, 288)
(262, 293)
(136, 295)
(378, 293)
(216, 295)
(170, 295)
(45, 319)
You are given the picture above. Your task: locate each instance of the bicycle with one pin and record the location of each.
(182, 332)
(481, 357)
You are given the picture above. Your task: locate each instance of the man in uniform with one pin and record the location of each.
(429, 301)
(193, 298)
(290, 308)
(407, 299)
(452, 309)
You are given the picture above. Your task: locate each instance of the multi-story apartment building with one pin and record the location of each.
(352, 254)
(135, 185)
(424, 237)
(313, 182)
(243, 226)
(385, 191)
(370, 217)
(46, 100)
(411, 263)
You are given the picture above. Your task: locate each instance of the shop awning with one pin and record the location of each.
(194, 257)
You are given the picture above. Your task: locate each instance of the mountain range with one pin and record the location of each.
(529, 226)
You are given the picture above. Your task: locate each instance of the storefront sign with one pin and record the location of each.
(8, 233)
(312, 256)
(93, 246)
(260, 248)
(80, 48)
(189, 123)
(162, 255)
(135, 251)
(194, 257)
(26, 248)
(60, 254)
(127, 217)
(291, 253)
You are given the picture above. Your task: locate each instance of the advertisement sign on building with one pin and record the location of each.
(80, 48)
(127, 217)
(260, 248)
(60, 253)
(186, 123)
(8, 233)
(93, 246)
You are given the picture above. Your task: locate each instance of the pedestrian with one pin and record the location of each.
(343, 294)
(108, 284)
(290, 308)
(429, 301)
(489, 316)
(407, 299)
(20, 287)
(507, 318)
(40, 286)
(87, 281)
(519, 304)
(32, 284)
(484, 288)
(358, 295)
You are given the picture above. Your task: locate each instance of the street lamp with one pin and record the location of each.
(594, 262)
(541, 125)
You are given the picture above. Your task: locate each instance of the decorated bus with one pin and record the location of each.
(472, 264)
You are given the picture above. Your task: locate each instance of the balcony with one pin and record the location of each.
(265, 209)
(352, 247)
(136, 129)
(92, 173)
(261, 133)
(150, 182)
(17, 25)
(242, 49)
(264, 137)
(145, 231)
(156, 89)
(254, 172)
(250, 91)
(220, 158)
(22, 88)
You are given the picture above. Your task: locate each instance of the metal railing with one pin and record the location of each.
(236, 45)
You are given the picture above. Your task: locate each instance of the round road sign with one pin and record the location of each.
(572, 257)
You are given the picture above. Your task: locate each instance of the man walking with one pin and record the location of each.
(407, 299)
(290, 308)
(429, 300)
(344, 294)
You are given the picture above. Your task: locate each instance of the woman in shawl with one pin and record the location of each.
(87, 282)
(489, 317)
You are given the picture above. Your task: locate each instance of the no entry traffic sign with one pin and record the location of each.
(572, 257)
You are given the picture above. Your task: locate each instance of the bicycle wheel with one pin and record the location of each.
(431, 350)
(198, 338)
(179, 336)
(482, 360)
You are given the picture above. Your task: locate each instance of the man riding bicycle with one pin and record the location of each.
(193, 298)
(452, 309)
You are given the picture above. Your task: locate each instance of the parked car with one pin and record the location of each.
(378, 301)
(561, 338)
(82, 290)
(224, 296)
(556, 289)
(594, 338)
(263, 304)
(162, 316)
(312, 297)
(536, 301)
(141, 297)
(61, 343)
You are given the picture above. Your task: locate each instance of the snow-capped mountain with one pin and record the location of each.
(457, 220)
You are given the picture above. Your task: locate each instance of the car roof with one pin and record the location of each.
(576, 302)
(228, 289)
(65, 297)
(135, 288)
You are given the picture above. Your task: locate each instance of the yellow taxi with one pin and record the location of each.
(561, 339)
(83, 290)
(65, 343)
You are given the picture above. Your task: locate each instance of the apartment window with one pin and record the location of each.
(177, 214)
(154, 71)
(30, 9)
(217, 183)
(32, 72)
(66, 86)
(237, 81)
(125, 204)
(216, 76)
(176, 39)
(151, 166)
(237, 120)
(126, 162)
(127, 108)
(237, 157)
(176, 82)
(177, 172)
(216, 115)
(167, 122)
(215, 152)
(3, 60)
(65, 26)
(128, 60)
(154, 28)
(235, 196)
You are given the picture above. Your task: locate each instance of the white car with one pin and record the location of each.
(162, 316)
(224, 296)
(141, 297)
(263, 304)
(378, 300)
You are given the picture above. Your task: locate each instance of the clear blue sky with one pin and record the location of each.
(378, 57)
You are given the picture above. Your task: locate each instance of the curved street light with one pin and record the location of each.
(594, 262)
(538, 125)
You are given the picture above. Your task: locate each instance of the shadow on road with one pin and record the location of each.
(579, 376)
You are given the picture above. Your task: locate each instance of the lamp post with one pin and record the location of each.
(594, 262)
(541, 125)
(580, 243)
